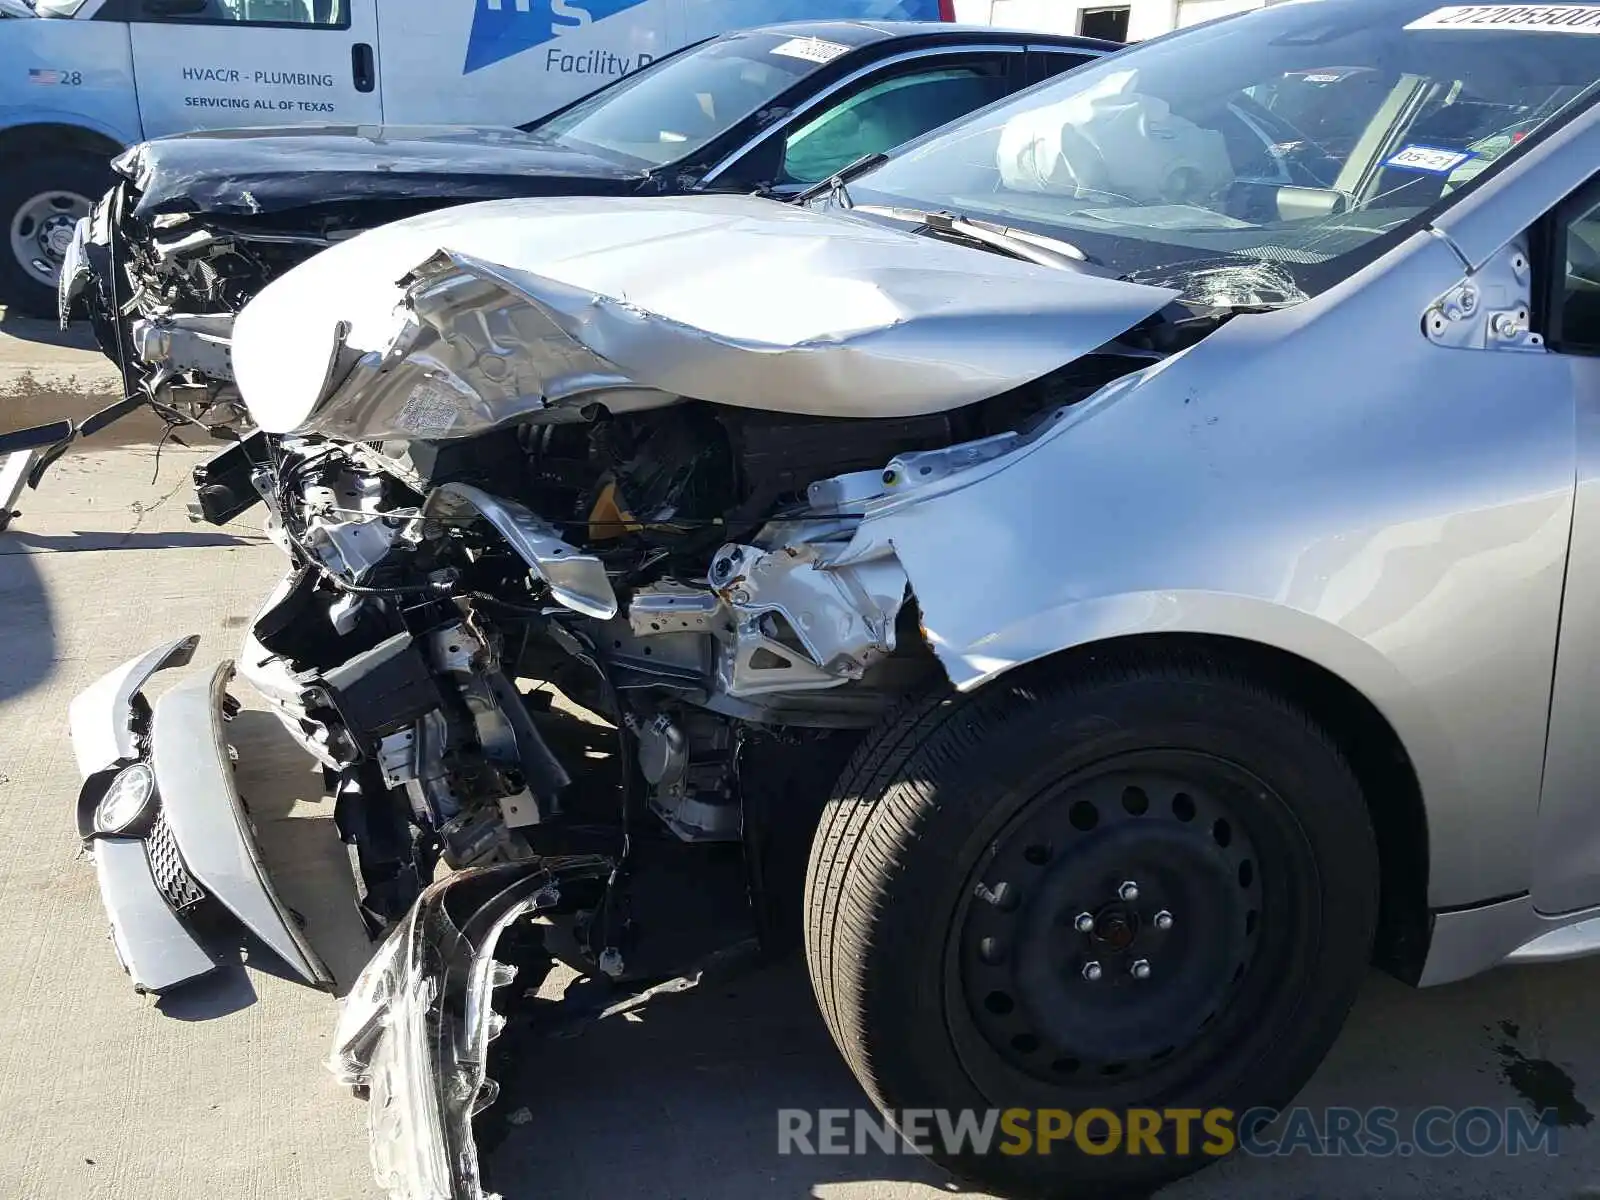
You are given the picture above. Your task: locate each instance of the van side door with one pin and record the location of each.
(225, 64)
(510, 62)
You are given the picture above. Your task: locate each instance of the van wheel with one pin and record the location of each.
(1149, 885)
(40, 203)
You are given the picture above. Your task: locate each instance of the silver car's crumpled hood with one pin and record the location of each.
(457, 320)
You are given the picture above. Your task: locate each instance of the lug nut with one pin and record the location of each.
(1129, 891)
(1140, 969)
(1163, 920)
(1083, 923)
(1092, 971)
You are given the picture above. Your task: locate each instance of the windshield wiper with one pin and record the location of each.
(834, 184)
(1018, 243)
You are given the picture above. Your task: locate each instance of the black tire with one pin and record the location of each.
(907, 924)
(81, 175)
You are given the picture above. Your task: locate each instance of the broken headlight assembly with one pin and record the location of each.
(415, 1029)
(381, 1047)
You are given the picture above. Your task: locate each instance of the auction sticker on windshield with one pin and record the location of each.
(1431, 159)
(811, 49)
(1520, 18)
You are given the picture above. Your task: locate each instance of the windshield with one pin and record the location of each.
(1289, 142)
(672, 109)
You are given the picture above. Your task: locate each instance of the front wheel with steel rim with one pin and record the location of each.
(1138, 885)
(41, 201)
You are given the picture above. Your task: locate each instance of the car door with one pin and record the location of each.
(1567, 863)
(870, 111)
(219, 64)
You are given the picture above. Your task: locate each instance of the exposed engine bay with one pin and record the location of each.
(678, 572)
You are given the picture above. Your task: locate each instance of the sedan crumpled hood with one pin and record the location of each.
(458, 320)
(256, 172)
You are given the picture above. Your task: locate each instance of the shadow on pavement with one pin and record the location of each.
(45, 332)
(27, 633)
(685, 1100)
(21, 542)
(309, 865)
(225, 991)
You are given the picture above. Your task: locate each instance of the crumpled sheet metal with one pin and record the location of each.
(249, 173)
(731, 299)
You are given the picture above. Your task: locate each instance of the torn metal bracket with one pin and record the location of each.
(576, 579)
(1490, 309)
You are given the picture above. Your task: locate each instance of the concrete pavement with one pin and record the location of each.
(219, 1092)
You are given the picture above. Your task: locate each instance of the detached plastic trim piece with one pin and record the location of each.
(101, 716)
(155, 947)
(194, 773)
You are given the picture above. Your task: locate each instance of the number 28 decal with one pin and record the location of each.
(44, 77)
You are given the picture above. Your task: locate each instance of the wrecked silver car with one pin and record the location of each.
(1102, 576)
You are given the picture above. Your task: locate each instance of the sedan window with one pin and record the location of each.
(1295, 142)
(673, 108)
(886, 113)
(1578, 299)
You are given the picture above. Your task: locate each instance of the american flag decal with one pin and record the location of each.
(43, 77)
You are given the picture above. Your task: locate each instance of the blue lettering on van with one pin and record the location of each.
(503, 28)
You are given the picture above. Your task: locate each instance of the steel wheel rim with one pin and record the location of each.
(41, 230)
(1050, 1038)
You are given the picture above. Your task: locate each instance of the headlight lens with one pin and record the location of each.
(129, 806)
(382, 1044)
(366, 1003)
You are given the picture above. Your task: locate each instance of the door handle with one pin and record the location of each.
(364, 65)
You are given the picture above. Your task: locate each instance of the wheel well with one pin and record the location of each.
(1375, 753)
(55, 138)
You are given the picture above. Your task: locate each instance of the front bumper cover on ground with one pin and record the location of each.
(415, 1029)
(194, 846)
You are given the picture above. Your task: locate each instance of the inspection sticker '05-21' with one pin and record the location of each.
(1516, 18)
(1431, 159)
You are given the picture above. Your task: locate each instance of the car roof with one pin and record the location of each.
(857, 34)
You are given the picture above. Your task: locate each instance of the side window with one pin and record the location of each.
(884, 112)
(1047, 64)
(1574, 316)
(333, 14)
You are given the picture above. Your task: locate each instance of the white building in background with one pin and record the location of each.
(1129, 21)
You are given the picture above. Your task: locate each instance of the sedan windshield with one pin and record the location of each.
(1261, 158)
(671, 109)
